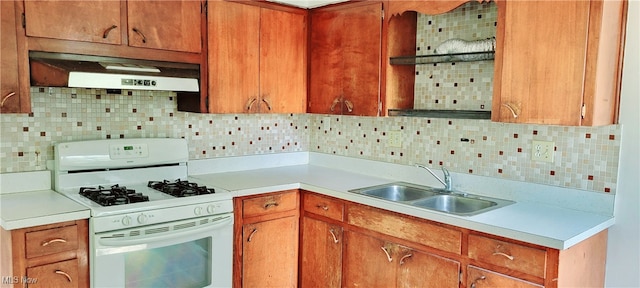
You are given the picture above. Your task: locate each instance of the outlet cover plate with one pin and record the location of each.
(326, 122)
(542, 151)
(395, 139)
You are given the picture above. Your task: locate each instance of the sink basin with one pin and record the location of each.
(431, 198)
(455, 204)
(398, 192)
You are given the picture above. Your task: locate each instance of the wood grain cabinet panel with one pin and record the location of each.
(510, 255)
(257, 59)
(558, 62)
(89, 21)
(266, 238)
(166, 25)
(10, 94)
(323, 206)
(345, 55)
(321, 254)
(480, 278)
(53, 255)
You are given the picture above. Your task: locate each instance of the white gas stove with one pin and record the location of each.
(143, 204)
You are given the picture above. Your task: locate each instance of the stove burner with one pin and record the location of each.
(180, 188)
(114, 195)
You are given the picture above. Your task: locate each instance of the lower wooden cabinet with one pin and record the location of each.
(54, 255)
(346, 244)
(266, 240)
(374, 262)
(321, 254)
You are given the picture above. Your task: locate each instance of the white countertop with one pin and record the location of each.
(26, 200)
(531, 222)
(33, 208)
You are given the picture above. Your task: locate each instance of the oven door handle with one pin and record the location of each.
(172, 234)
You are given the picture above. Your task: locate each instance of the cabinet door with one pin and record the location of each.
(420, 269)
(90, 21)
(345, 60)
(270, 257)
(480, 278)
(60, 274)
(167, 25)
(540, 61)
(368, 261)
(234, 36)
(321, 261)
(9, 84)
(283, 75)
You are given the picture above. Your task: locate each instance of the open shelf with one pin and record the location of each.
(442, 58)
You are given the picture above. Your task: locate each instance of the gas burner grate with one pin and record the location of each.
(180, 188)
(114, 195)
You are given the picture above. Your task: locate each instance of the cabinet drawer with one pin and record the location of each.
(324, 206)
(509, 255)
(405, 227)
(272, 203)
(60, 274)
(50, 241)
(479, 278)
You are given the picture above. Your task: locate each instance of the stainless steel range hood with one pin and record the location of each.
(72, 70)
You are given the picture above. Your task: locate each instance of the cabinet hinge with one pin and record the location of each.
(203, 7)
(382, 13)
(584, 111)
(24, 21)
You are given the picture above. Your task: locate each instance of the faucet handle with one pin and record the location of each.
(447, 179)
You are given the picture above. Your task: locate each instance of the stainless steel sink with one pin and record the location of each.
(398, 192)
(433, 198)
(455, 204)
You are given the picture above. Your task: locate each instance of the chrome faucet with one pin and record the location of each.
(447, 177)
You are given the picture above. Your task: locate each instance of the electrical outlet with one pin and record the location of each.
(395, 139)
(542, 151)
(326, 121)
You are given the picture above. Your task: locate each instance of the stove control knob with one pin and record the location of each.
(142, 218)
(211, 209)
(197, 210)
(126, 221)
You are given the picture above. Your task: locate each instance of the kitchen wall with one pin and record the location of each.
(586, 157)
(459, 85)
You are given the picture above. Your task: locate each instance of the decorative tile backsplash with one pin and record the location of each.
(458, 85)
(586, 157)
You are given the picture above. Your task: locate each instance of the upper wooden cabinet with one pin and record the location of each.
(90, 21)
(165, 25)
(11, 98)
(256, 58)
(345, 67)
(558, 62)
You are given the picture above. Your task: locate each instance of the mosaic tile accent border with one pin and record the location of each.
(459, 85)
(586, 157)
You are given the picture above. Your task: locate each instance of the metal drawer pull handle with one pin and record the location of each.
(349, 105)
(105, 34)
(267, 102)
(250, 103)
(144, 39)
(505, 255)
(473, 284)
(323, 207)
(512, 109)
(335, 239)
(60, 272)
(57, 240)
(335, 102)
(405, 257)
(267, 205)
(387, 253)
(251, 235)
(7, 97)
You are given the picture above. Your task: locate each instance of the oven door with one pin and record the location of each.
(189, 253)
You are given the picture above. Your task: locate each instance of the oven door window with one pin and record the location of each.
(180, 265)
